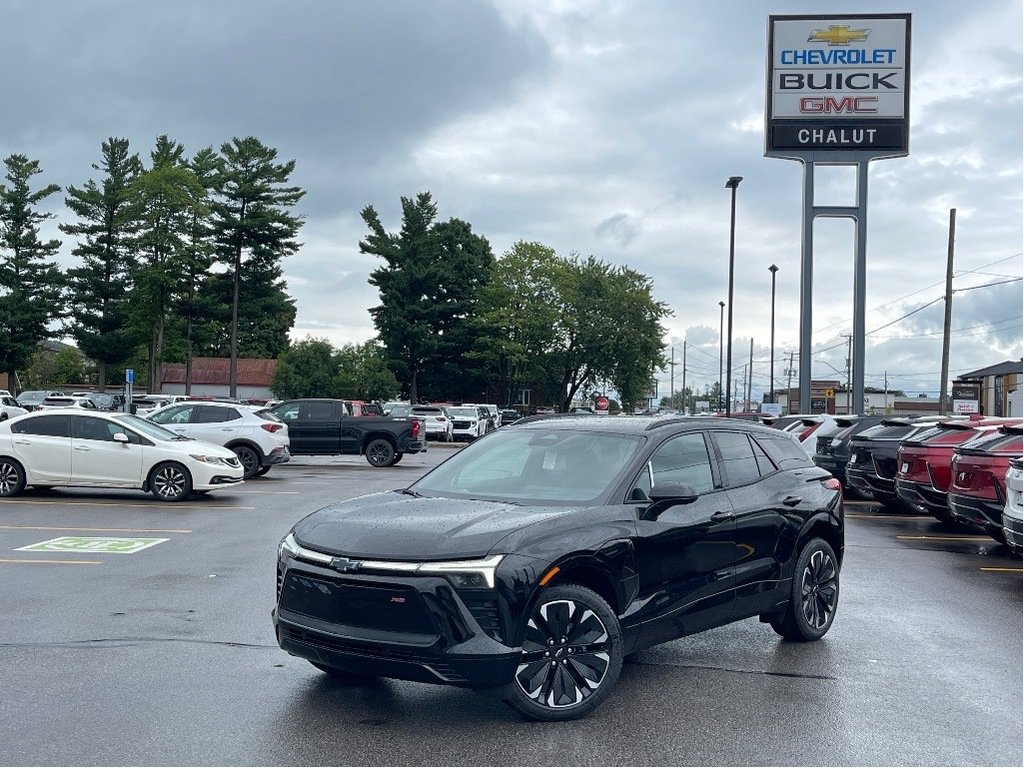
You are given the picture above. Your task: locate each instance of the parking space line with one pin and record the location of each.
(106, 530)
(55, 562)
(269, 493)
(993, 569)
(855, 516)
(947, 538)
(152, 505)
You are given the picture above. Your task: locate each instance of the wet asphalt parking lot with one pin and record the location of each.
(167, 656)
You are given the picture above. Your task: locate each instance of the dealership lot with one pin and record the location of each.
(167, 655)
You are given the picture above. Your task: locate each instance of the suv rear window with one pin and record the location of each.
(785, 451)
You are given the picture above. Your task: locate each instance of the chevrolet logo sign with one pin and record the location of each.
(839, 34)
(344, 564)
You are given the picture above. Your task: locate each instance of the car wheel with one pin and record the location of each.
(12, 477)
(398, 458)
(814, 595)
(572, 656)
(170, 482)
(249, 459)
(3, 416)
(262, 471)
(380, 453)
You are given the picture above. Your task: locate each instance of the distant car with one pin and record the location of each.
(257, 436)
(1013, 512)
(9, 407)
(872, 465)
(50, 403)
(31, 398)
(437, 421)
(468, 422)
(363, 408)
(532, 562)
(149, 403)
(833, 450)
(977, 495)
(6, 393)
(509, 416)
(74, 447)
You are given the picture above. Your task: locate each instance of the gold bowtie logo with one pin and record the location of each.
(839, 34)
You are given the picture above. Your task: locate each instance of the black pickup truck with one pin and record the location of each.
(321, 427)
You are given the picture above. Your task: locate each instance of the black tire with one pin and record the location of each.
(4, 416)
(12, 477)
(170, 481)
(398, 458)
(262, 471)
(249, 459)
(340, 675)
(572, 656)
(814, 595)
(380, 453)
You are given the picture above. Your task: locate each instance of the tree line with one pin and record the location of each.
(166, 253)
(180, 257)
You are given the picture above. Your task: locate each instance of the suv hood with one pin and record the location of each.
(395, 526)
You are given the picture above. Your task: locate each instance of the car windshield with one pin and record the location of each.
(400, 410)
(148, 428)
(553, 466)
(464, 412)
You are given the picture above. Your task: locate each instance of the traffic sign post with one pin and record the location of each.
(129, 381)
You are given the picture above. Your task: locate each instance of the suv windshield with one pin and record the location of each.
(553, 466)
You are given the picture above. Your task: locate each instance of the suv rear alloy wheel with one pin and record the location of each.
(249, 459)
(814, 595)
(572, 656)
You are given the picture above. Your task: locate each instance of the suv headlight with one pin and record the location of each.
(466, 574)
(288, 547)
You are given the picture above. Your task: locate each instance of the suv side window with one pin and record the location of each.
(784, 450)
(738, 461)
(212, 414)
(51, 426)
(179, 415)
(681, 459)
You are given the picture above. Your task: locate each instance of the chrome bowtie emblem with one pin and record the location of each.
(344, 564)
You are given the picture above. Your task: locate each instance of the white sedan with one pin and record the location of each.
(72, 447)
(9, 407)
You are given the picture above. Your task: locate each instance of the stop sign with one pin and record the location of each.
(601, 403)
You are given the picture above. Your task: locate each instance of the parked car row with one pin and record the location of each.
(957, 469)
(447, 423)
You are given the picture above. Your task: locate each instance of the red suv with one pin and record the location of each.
(922, 463)
(977, 493)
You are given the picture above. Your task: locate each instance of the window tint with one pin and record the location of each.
(85, 428)
(178, 415)
(738, 461)
(211, 414)
(682, 459)
(319, 411)
(52, 426)
(764, 463)
(784, 451)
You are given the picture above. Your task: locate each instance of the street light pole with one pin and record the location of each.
(771, 365)
(732, 183)
(721, 325)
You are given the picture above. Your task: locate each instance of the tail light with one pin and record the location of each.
(271, 427)
(832, 484)
(415, 428)
(808, 432)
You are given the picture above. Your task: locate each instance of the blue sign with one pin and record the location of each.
(129, 375)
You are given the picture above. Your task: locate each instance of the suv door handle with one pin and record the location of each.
(792, 501)
(719, 517)
(83, 448)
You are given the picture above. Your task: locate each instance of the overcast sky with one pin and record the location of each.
(604, 128)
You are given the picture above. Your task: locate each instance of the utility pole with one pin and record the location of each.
(885, 389)
(949, 313)
(672, 379)
(789, 380)
(684, 377)
(750, 379)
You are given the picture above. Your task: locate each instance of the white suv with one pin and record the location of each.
(258, 437)
(438, 422)
(469, 421)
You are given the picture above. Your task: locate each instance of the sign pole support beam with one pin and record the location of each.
(859, 213)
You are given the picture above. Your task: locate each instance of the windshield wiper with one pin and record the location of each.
(409, 492)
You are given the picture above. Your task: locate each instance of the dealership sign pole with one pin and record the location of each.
(838, 93)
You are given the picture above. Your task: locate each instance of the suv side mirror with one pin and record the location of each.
(667, 495)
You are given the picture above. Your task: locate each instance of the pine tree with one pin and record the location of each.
(108, 224)
(30, 286)
(198, 256)
(251, 223)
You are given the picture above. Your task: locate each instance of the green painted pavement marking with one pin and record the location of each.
(92, 544)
